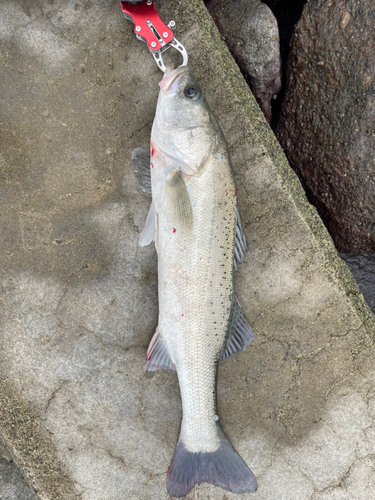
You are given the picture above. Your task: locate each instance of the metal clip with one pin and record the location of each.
(149, 28)
(173, 43)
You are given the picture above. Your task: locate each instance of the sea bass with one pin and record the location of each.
(195, 224)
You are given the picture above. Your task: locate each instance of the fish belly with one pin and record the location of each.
(195, 295)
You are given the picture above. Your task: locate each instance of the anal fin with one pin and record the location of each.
(240, 332)
(157, 354)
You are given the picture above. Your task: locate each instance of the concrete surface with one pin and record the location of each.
(78, 297)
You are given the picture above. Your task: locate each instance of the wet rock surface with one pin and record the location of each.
(251, 33)
(78, 297)
(327, 126)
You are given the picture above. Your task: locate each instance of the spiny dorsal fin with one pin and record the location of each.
(141, 168)
(178, 205)
(157, 355)
(240, 245)
(240, 334)
(148, 233)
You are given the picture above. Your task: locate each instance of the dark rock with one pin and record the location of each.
(250, 30)
(362, 267)
(287, 13)
(327, 126)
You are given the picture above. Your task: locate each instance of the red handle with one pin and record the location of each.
(143, 12)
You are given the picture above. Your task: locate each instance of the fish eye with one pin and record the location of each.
(191, 92)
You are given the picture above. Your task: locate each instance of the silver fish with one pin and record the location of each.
(197, 230)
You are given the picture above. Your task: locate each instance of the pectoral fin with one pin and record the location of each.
(141, 168)
(178, 205)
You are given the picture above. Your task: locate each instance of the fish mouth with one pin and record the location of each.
(170, 77)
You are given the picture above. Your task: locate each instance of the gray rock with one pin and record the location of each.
(12, 484)
(4, 453)
(327, 126)
(250, 30)
(78, 297)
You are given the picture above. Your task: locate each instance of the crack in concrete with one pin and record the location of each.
(53, 396)
(120, 459)
(48, 17)
(63, 35)
(97, 336)
(21, 26)
(134, 466)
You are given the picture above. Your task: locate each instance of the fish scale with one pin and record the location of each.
(195, 223)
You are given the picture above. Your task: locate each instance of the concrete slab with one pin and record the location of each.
(79, 297)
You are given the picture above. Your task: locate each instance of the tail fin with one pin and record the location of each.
(224, 468)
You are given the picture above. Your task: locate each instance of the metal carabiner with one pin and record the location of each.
(149, 28)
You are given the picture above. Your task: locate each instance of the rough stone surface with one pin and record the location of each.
(250, 30)
(78, 297)
(327, 126)
(287, 13)
(362, 267)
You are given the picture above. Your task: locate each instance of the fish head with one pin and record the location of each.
(184, 127)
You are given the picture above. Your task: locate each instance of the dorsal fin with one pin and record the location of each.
(141, 168)
(240, 332)
(240, 245)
